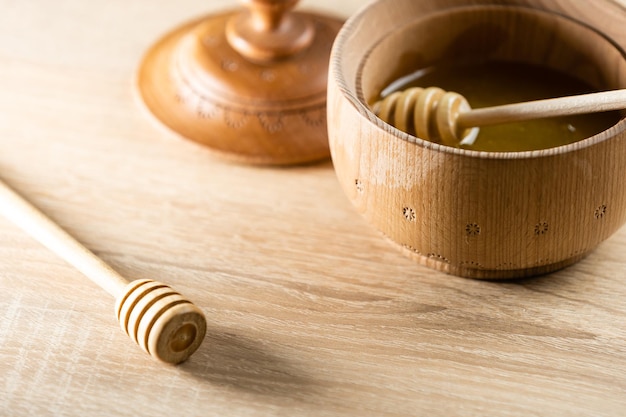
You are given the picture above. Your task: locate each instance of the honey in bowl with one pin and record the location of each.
(487, 84)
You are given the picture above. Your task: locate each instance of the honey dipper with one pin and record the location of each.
(447, 117)
(162, 322)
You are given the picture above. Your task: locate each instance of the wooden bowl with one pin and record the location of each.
(479, 214)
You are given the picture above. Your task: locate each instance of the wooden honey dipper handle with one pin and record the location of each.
(162, 322)
(447, 117)
(561, 106)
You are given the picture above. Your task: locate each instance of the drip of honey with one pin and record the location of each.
(495, 83)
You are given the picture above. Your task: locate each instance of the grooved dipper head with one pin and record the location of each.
(161, 321)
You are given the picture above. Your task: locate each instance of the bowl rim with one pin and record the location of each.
(364, 110)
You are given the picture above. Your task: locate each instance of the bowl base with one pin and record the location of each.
(477, 272)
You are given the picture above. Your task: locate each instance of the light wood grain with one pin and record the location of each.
(24, 215)
(311, 312)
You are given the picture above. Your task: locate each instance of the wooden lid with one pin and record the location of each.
(251, 84)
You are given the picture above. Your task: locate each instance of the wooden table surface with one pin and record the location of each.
(310, 310)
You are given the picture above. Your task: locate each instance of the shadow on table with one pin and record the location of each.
(232, 360)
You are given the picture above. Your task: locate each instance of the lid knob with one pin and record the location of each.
(266, 30)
